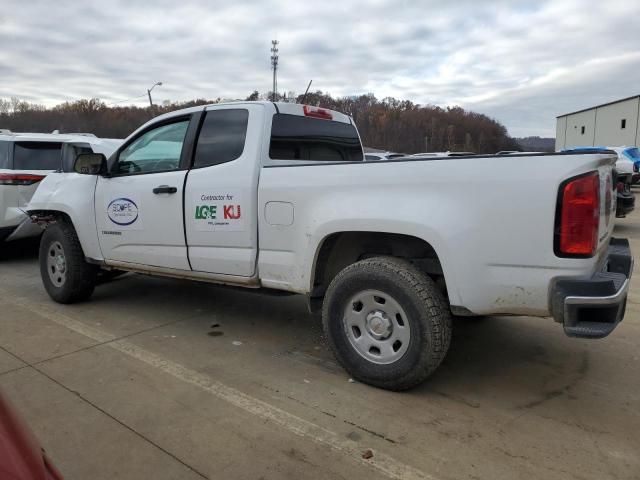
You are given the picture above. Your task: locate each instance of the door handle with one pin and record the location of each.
(165, 189)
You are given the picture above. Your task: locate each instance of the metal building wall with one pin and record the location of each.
(603, 126)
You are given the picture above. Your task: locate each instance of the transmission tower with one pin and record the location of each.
(274, 67)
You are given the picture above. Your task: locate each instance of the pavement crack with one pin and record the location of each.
(121, 423)
(107, 342)
(371, 432)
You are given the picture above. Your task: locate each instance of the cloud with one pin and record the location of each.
(521, 62)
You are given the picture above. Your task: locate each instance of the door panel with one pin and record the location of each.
(138, 226)
(139, 210)
(221, 196)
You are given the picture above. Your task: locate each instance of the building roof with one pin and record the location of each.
(598, 106)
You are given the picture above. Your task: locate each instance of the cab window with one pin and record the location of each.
(222, 137)
(156, 150)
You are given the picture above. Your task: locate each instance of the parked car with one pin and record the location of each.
(25, 160)
(628, 161)
(277, 196)
(625, 199)
(21, 456)
(443, 154)
(377, 156)
(622, 179)
(516, 152)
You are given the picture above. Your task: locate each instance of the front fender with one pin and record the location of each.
(73, 195)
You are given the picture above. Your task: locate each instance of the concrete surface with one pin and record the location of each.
(165, 379)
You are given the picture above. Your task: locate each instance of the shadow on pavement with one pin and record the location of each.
(20, 249)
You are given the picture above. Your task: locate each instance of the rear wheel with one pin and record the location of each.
(66, 276)
(387, 322)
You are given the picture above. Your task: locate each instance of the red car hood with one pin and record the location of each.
(21, 456)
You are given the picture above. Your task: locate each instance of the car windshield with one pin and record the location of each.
(37, 156)
(632, 153)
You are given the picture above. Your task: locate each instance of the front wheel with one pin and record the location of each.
(387, 322)
(66, 276)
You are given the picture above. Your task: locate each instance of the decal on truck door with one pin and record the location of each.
(218, 212)
(123, 212)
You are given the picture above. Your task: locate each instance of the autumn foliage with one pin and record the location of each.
(387, 124)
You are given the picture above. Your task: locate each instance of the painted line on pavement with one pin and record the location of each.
(382, 462)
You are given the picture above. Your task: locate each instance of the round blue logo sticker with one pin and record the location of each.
(122, 211)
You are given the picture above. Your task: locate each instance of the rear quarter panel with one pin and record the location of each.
(489, 219)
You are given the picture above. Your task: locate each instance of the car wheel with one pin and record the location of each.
(386, 322)
(66, 276)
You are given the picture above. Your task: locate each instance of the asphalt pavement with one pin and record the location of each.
(168, 379)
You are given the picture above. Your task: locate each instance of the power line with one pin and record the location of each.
(127, 100)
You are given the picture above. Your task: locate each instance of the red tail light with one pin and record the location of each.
(317, 112)
(19, 179)
(578, 217)
(620, 187)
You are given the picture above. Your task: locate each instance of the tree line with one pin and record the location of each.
(386, 124)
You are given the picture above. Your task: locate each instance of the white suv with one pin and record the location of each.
(27, 158)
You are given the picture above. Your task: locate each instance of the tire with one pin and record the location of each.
(409, 347)
(66, 276)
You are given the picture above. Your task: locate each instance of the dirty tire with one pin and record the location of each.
(80, 276)
(426, 310)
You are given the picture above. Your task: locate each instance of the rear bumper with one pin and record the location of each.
(592, 307)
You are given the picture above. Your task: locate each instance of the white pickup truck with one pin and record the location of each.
(278, 196)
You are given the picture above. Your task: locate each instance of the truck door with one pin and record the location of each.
(139, 210)
(222, 191)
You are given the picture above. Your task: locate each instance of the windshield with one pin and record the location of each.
(633, 153)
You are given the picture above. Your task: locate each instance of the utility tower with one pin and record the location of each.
(274, 67)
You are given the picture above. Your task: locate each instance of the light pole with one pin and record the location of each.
(157, 84)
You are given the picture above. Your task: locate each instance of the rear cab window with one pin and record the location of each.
(296, 137)
(37, 156)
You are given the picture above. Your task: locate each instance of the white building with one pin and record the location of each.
(611, 124)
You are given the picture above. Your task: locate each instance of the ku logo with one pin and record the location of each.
(204, 212)
(231, 212)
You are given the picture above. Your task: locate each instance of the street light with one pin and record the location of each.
(157, 84)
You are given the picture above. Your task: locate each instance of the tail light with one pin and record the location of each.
(317, 112)
(577, 217)
(620, 187)
(19, 178)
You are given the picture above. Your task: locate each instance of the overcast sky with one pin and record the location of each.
(521, 62)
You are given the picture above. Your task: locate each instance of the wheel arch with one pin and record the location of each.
(88, 238)
(340, 249)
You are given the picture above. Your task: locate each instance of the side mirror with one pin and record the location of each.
(90, 164)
